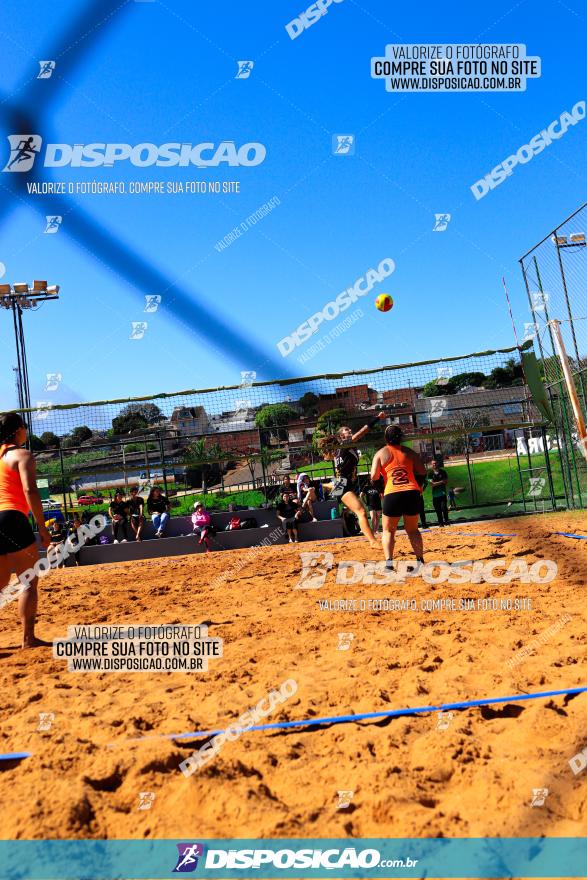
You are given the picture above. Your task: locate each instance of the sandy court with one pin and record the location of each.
(408, 778)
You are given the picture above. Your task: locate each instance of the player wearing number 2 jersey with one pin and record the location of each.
(404, 474)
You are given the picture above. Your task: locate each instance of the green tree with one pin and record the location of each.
(309, 403)
(136, 417)
(504, 377)
(275, 415)
(273, 420)
(433, 389)
(463, 380)
(36, 443)
(49, 440)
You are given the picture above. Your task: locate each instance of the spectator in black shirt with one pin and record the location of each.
(118, 511)
(438, 478)
(158, 509)
(289, 512)
(136, 506)
(371, 496)
(58, 534)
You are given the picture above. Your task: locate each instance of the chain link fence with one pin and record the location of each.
(555, 275)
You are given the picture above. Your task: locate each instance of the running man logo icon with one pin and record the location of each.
(146, 799)
(539, 795)
(46, 71)
(43, 407)
(138, 329)
(344, 799)
(23, 151)
(437, 406)
(244, 69)
(540, 300)
(187, 860)
(315, 567)
(54, 221)
(444, 719)
(53, 381)
(247, 378)
(441, 222)
(152, 303)
(242, 405)
(344, 641)
(46, 719)
(530, 331)
(343, 145)
(537, 484)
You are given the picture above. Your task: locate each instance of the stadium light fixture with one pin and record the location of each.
(16, 298)
(574, 239)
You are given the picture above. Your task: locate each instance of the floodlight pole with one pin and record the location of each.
(13, 297)
(571, 388)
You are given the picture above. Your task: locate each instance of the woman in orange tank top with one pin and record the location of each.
(404, 473)
(18, 548)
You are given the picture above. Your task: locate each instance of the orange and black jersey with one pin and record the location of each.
(399, 471)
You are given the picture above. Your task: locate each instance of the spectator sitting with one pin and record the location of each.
(307, 495)
(289, 513)
(76, 524)
(287, 486)
(136, 507)
(118, 510)
(158, 510)
(202, 523)
(58, 534)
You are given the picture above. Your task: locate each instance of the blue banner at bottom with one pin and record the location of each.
(312, 857)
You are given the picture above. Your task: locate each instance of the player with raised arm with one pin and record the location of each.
(337, 448)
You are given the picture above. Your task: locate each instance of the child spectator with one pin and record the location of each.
(202, 525)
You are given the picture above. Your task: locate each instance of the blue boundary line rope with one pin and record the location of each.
(339, 719)
(15, 756)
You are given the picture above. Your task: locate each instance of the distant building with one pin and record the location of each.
(189, 420)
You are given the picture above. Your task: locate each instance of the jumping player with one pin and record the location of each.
(346, 459)
(19, 495)
(404, 474)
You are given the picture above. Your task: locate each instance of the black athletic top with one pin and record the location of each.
(373, 498)
(135, 505)
(119, 508)
(346, 461)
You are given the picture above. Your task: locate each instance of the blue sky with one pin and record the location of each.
(165, 71)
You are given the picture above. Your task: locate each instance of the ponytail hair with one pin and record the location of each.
(393, 435)
(328, 445)
(10, 423)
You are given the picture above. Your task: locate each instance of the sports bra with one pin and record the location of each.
(399, 472)
(12, 495)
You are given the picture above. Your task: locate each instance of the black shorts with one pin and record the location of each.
(402, 503)
(16, 532)
(352, 486)
(374, 506)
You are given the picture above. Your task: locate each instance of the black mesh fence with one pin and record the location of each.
(555, 274)
(235, 444)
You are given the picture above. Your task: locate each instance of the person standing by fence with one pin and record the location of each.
(438, 478)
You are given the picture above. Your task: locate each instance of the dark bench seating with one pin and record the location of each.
(179, 540)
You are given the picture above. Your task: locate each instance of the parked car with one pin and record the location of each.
(85, 500)
(51, 504)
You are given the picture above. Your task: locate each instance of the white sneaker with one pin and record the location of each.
(158, 533)
(124, 541)
(115, 541)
